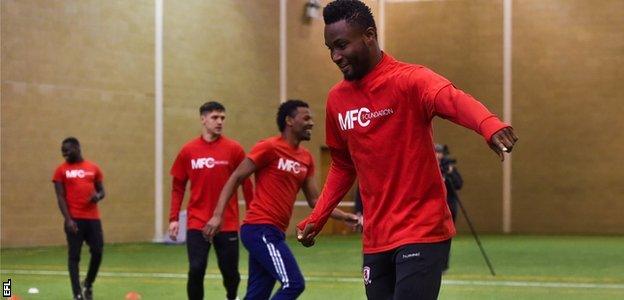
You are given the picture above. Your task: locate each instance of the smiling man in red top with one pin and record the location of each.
(281, 167)
(207, 162)
(78, 186)
(378, 123)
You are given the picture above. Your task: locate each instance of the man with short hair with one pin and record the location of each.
(207, 162)
(281, 166)
(78, 187)
(378, 127)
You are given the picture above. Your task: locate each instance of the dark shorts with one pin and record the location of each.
(412, 271)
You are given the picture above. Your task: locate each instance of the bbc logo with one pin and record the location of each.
(6, 288)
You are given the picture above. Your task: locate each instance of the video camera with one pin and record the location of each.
(446, 163)
(447, 160)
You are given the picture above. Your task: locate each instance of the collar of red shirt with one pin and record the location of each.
(386, 60)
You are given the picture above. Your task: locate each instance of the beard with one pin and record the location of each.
(359, 65)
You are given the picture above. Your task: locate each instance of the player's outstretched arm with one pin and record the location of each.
(310, 189)
(339, 180)
(244, 170)
(463, 109)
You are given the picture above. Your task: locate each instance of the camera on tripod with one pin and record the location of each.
(447, 160)
(446, 163)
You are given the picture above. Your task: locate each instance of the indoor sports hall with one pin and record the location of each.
(126, 78)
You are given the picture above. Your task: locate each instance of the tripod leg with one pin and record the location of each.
(474, 234)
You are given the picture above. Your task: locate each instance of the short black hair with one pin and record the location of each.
(71, 140)
(288, 108)
(354, 12)
(211, 106)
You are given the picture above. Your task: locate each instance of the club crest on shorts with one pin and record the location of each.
(366, 275)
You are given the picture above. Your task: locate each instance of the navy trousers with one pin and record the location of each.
(270, 260)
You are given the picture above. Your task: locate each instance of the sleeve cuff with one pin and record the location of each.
(490, 126)
(311, 219)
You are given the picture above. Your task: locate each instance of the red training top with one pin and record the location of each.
(79, 180)
(379, 127)
(281, 171)
(208, 165)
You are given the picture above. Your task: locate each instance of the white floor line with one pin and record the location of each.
(452, 282)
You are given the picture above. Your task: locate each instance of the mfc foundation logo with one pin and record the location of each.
(206, 162)
(77, 173)
(290, 166)
(361, 116)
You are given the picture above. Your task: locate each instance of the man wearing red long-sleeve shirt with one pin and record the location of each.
(378, 126)
(282, 167)
(208, 161)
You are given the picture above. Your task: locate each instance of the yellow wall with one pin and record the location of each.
(85, 69)
(568, 62)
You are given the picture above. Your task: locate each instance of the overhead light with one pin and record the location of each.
(313, 9)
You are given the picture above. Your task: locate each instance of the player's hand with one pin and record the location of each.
(212, 228)
(355, 221)
(306, 236)
(71, 226)
(352, 220)
(174, 228)
(503, 141)
(95, 198)
(359, 227)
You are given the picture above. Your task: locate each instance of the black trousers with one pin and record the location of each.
(412, 271)
(91, 232)
(226, 249)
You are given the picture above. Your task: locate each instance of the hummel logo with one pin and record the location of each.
(416, 254)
